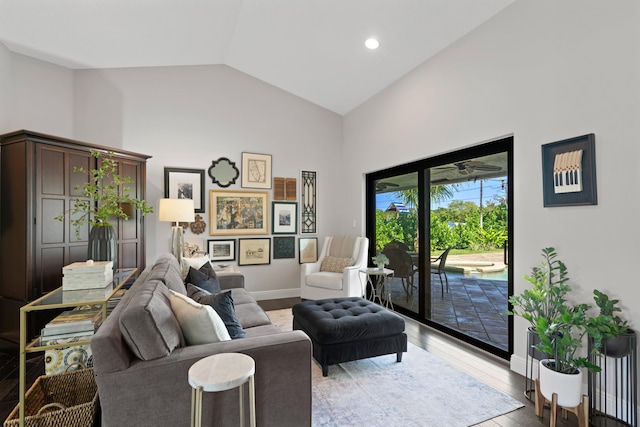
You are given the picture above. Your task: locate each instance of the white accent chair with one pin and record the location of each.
(316, 284)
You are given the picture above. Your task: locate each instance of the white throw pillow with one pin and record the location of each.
(200, 324)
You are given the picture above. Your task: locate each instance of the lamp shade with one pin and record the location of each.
(176, 210)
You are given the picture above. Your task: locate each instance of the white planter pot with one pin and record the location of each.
(568, 387)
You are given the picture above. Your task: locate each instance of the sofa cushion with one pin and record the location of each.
(335, 264)
(166, 270)
(251, 315)
(206, 279)
(222, 303)
(200, 324)
(148, 324)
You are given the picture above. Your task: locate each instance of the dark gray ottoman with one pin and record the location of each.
(345, 329)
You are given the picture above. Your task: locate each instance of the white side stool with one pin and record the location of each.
(222, 372)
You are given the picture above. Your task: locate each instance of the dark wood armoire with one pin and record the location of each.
(36, 185)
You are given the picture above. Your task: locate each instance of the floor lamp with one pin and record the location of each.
(176, 211)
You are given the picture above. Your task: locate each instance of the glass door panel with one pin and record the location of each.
(468, 217)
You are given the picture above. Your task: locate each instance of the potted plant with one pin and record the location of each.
(560, 329)
(545, 299)
(380, 260)
(105, 196)
(609, 334)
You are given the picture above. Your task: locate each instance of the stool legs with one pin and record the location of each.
(196, 407)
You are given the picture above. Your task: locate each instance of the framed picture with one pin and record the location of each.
(256, 170)
(222, 250)
(284, 217)
(255, 251)
(308, 249)
(309, 208)
(238, 212)
(569, 172)
(284, 247)
(185, 184)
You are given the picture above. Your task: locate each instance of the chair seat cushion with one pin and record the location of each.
(325, 279)
(344, 320)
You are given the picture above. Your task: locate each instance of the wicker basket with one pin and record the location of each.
(67, 399)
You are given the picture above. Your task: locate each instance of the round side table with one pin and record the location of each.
(222, 372)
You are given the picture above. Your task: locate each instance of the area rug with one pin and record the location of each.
(422, 390)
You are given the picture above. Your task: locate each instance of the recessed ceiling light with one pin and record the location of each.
(372, 43)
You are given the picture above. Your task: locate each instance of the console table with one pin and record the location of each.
(54, 300)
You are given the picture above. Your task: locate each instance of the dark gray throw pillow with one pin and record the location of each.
(222, 303)
(203, 280)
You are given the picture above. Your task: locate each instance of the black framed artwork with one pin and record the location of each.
(307, 249)
(254, 251)
(284, 217)
(569, 172)
(222, 250)
(180, 183)
(284, 247)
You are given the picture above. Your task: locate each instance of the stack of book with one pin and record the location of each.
(72, 324)
(111, 304)
(87, 275)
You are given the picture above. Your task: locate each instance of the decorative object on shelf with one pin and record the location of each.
(104, 196)
(222, 250)
(176, 210)
(307, 249)
(256, 170)
(569, 172)
(284, 217)
(284, 189)
(380, 260)
(87, 275)
(255, 251)
(198, 225)
(180, 183)
(308, 219)
(284, 247)
(238, 212)
(223, 172)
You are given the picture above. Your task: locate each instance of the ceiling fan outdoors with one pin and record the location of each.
(381, 186)
(469, 166)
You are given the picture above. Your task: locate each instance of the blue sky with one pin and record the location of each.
(467, 191)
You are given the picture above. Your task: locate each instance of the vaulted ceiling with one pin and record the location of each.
(311, 48)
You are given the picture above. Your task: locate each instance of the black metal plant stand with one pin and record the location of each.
(532, 358)
(613, 392)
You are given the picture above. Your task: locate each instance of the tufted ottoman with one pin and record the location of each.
(345, 329)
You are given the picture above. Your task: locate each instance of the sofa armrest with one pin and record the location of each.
(230, 280)
(282, 383)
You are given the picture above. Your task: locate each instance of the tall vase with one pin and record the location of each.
(103, 244)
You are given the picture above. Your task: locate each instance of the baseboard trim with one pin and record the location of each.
(276, 294)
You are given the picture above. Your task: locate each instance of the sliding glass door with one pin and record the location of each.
(444, 223)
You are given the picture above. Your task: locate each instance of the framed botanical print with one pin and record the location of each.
(256, 170)
(238, 212)
(255, 251)
(222, 250)
(182, 183)
(308, 249)
(284, 217)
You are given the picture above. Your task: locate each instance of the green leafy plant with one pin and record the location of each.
(560, 326)
(607, 324)
(380, 258)
(103, 196)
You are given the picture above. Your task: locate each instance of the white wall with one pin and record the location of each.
(543, 71)
(42, 98)
(186, 117)
(5, 89)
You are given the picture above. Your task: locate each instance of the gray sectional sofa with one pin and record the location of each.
(141, 360)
